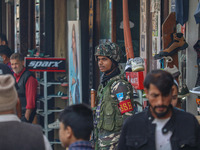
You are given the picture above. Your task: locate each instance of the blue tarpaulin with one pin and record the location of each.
(182, 10)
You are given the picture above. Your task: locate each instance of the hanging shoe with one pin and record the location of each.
(168, 59)
(60, 93)
(174, 71)
(135, 94)
(158, 56)
(38, 54)
(177, 44)
(198, 80)
(134, 65)
(128, 67)
(197, 46)
(54, 125)
(184, 92)
(196, 90)
(198, 74)
(62, 79)
(31, 52)
(137, 64)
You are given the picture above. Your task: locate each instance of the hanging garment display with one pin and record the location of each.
(197, 49)
(197, 14)
(182, 10)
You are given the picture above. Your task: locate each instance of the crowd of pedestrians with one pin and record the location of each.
(112, 125)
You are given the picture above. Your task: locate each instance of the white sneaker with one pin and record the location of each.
(128, 66)
(195, 90)
(174, 71)
(137, 64)
(54, 125)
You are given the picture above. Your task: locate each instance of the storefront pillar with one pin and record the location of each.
(192, 30)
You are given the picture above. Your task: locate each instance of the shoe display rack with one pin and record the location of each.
(174, 46)
(43, 65)
(45, 98)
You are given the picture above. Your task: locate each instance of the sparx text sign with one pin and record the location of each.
(45, 64)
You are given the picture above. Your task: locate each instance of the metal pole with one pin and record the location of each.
(77, 10)
(127, 31)
(45, 105)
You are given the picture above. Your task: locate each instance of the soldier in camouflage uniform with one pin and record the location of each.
(114, 98)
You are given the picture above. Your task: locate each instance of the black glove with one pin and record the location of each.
(23, 118)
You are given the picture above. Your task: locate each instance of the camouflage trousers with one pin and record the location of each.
(110, 147)
(108, 140)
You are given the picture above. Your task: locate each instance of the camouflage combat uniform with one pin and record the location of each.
(109, 113)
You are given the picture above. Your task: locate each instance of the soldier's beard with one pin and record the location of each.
(163, 114)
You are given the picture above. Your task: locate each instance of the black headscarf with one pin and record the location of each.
(105, 77)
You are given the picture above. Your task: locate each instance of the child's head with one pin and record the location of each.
(76, 123)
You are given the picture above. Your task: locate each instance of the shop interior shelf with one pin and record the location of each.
(46, 110)
(43, 99)
(54, 83)
(48, 129)
(52, 111)
(51, 96)
(55, 142)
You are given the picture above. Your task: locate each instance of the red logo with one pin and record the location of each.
(125, 106)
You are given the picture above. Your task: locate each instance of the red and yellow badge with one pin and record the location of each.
(125, 106)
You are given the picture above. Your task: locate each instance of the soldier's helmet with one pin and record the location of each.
(108, 49)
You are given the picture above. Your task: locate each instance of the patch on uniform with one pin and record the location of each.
(120, 96)
(125, 106)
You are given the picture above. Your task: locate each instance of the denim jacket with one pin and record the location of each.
(138, 132)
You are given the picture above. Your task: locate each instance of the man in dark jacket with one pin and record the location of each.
(161, 127)
(14, 133)
(27, 84)
(4, 69)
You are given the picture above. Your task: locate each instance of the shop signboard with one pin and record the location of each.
(45, 64)
(74, 61)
